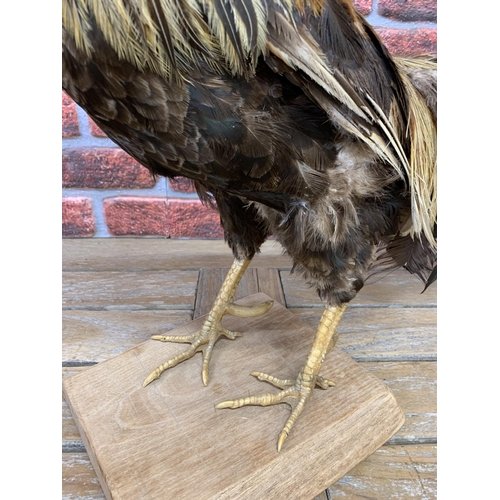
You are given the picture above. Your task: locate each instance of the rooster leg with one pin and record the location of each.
(205, 339)
(297, 392)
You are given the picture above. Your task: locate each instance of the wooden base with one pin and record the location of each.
(168, 441)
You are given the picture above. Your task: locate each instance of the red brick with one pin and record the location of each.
(136, 216)
(103, 168)
(94, 129)
(409, 42)
(70, 126)
(191, 219)
(409, 10)
(77, 217)
(182, 184)
(363, 6)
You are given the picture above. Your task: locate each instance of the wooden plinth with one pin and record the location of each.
(166, 441)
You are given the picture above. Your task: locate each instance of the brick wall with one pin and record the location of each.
(107, 193)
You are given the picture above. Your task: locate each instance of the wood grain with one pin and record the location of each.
(79, 480)
(392, 472)
(159, 254)
(365, 334)
(381, 334)
(129, 290)
(414, 386)
(392, 330)
(138, 439)
(94, 336)
(412, 383)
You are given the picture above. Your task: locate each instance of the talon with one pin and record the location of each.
(299, 390)
(205, 368)
(229, 334)
(324, 383)
(272, 380)
(249, 311)
(173, 338)
(204, 377)
(296, 393)
(212, 329)
(225, 404)
(154, 375)
(281, 439)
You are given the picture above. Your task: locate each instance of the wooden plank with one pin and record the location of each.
(322, 496)
(79, 480)
(94, 336)
(129, 431)
(393, 472)
(415, 388)
(399, 288)
(269, 281)
(375, 333)
(365, 334)
(253, 281)
(130, 290)
(71, 438)
(372, 334)
(159, 254)
(412, 383)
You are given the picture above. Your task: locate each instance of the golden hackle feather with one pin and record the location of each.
(422, 131)
(76, 21)
(236, 25)
(170, 36)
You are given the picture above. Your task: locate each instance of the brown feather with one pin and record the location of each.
(290, 115)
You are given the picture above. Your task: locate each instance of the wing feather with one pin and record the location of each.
(334, 54)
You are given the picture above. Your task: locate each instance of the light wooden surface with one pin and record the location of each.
(166, 440)
(397, 344)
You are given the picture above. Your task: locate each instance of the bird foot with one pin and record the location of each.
(295, 393)
(204, 340)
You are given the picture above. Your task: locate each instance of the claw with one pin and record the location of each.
(230, 334)
(249, 311)
(212, 329)
(301, 389)
(324, 383)
(302, 398)
(321, 382)
(154, 375)
(283, 435)
(227, 404)
(261, 400)
(207, 355)
(277, 382)
(185, 339)
(298, 390)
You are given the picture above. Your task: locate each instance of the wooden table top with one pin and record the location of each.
(119, 292)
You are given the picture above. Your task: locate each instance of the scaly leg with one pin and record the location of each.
(205, 339)
(297, 392)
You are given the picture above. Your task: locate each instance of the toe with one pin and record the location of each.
(324, 383)
(277, 382)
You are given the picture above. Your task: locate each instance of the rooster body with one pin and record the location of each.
(290, 117)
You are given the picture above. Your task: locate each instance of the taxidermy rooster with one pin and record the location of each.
(291, 118)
